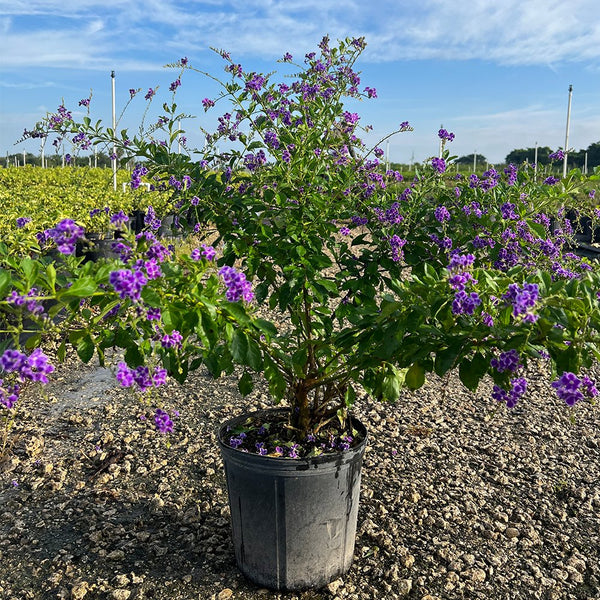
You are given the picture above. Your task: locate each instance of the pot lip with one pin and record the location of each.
(338, 457)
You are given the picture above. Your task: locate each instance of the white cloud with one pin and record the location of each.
(513, 32)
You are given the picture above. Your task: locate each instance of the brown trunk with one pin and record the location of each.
(300, 418)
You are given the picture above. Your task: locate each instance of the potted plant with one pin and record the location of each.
(328, 275)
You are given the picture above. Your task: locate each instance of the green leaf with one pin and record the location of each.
(30, 269)
(415, 376)
(81, 288)
(151, 298)
(5, 281)
(245, 384)
(85, 348)
(277, 385)
(446, 359)
(254, 355)
(239, 347)
(133, 357)
(471, 371)
(51, 276)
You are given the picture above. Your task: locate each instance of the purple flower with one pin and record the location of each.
(65, 235)
(238, 288)
(508, 361)
(149, 94)
(445, 136)
(464, 304)
(22, 221)
(119, 219)
(523, 299)
(551, 180)
(255, 82)
(558, 155)
(397, 243)
(508, 211)
(371, 92)
(128, 283)
(175, 85)
(344, 230)
(512, 396)
(153, 314)
(34, 367)
(163, 422)
(172, 340)
(441, 214)
(439, 164)
(124, 375)
(567, 388)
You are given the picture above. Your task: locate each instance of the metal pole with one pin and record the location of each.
(114, 126)
(585, 165)
(387, 155)
(474, 161)
(567, 132)
(535, 155)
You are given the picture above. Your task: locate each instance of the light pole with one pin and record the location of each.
(567, 132)
(114, 127)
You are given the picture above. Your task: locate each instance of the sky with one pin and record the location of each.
(496, 74)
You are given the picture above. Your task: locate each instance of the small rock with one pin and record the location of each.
(225, 594)
(335, 585)
(116, 555)
(476, 575)
(404, 587)
(79, 590)
(120, 594)
(122, 580)
(511, 532)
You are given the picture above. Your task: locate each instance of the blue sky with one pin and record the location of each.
(495, 73)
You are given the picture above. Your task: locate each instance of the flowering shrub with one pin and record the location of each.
(380, 281)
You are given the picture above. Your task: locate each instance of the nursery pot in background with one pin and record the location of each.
(293, 519)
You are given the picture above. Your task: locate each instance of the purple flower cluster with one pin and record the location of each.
(208, 252)
(238, 288)
(442, 214)
(571, 389)
(390, 216)
(119, 219)
(128, 283)
(511, 174)
(254, 161)
(522, 299)
(551, 180)
(445, 136)
(464, 303)
(136, 176)
(518, 387)
(507, 210)
(397, 243)
(163, 421)
(140, 376)
(34, 367)
(29, 301)
(558, 155)
(439, 164)
(65, 235)
(507, 361)
(151, 220)
(172, 340)
(22, 221)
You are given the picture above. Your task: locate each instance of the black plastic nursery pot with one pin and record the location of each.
(293, 519)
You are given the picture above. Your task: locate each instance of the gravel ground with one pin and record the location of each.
(456, 502)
